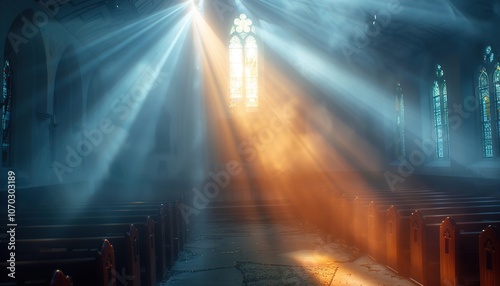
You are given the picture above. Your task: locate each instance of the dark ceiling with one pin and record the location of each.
(417, 25)
(423, 25)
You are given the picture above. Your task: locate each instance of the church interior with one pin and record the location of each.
(250, 142)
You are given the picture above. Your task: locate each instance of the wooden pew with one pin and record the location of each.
(489, 256)
(169, 237)
(177, 231)
(459, 252)
(360, 216)
(60, 279)
(146, 229)
(357, 216)
(153, 258)
(370, 216)
(348, 215)
(424, 246)
(96, 269)
(164, 243)
(73, 212)
(376, 221)
(62, 248)
(398, 231)
(127, 254)
(183, 226)
(170, 231)
(341, 207)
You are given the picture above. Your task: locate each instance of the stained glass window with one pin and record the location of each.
(496, 84)
(243, 60)
(440, 110)
(6, 114)
(400, 122)
(489, 100)
(484, 94)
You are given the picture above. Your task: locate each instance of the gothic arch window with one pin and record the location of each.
(496, 84)
(489, 99)
(484, 94)
(6, 114)
(243, 64)
(399, 139)
(440, 114)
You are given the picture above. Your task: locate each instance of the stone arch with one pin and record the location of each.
(25, 50)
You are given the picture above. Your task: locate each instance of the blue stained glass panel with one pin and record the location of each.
(440, 113)
(6, 113)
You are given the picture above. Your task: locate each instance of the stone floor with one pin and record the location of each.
(230, 250)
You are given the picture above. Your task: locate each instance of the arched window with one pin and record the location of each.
(243, 69)
(489, 98)
(440, 112)
(399, 106)
(496, 84)
(6, 114)
(484, 94)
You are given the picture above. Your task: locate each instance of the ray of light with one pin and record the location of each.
(164, 51)
(271, 157)
(153, 49)
(238, 126)
(270, 146)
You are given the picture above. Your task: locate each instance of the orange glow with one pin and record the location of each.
(292, 138)
(311, 258)
(278, 140)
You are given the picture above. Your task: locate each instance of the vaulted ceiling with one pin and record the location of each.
(395, 29)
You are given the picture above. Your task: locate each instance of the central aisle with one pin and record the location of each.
(228, 248)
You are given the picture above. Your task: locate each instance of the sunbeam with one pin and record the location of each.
(135, 89)
(263, 142)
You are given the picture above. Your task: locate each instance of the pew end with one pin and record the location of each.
(60, 279)
(489, 256)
